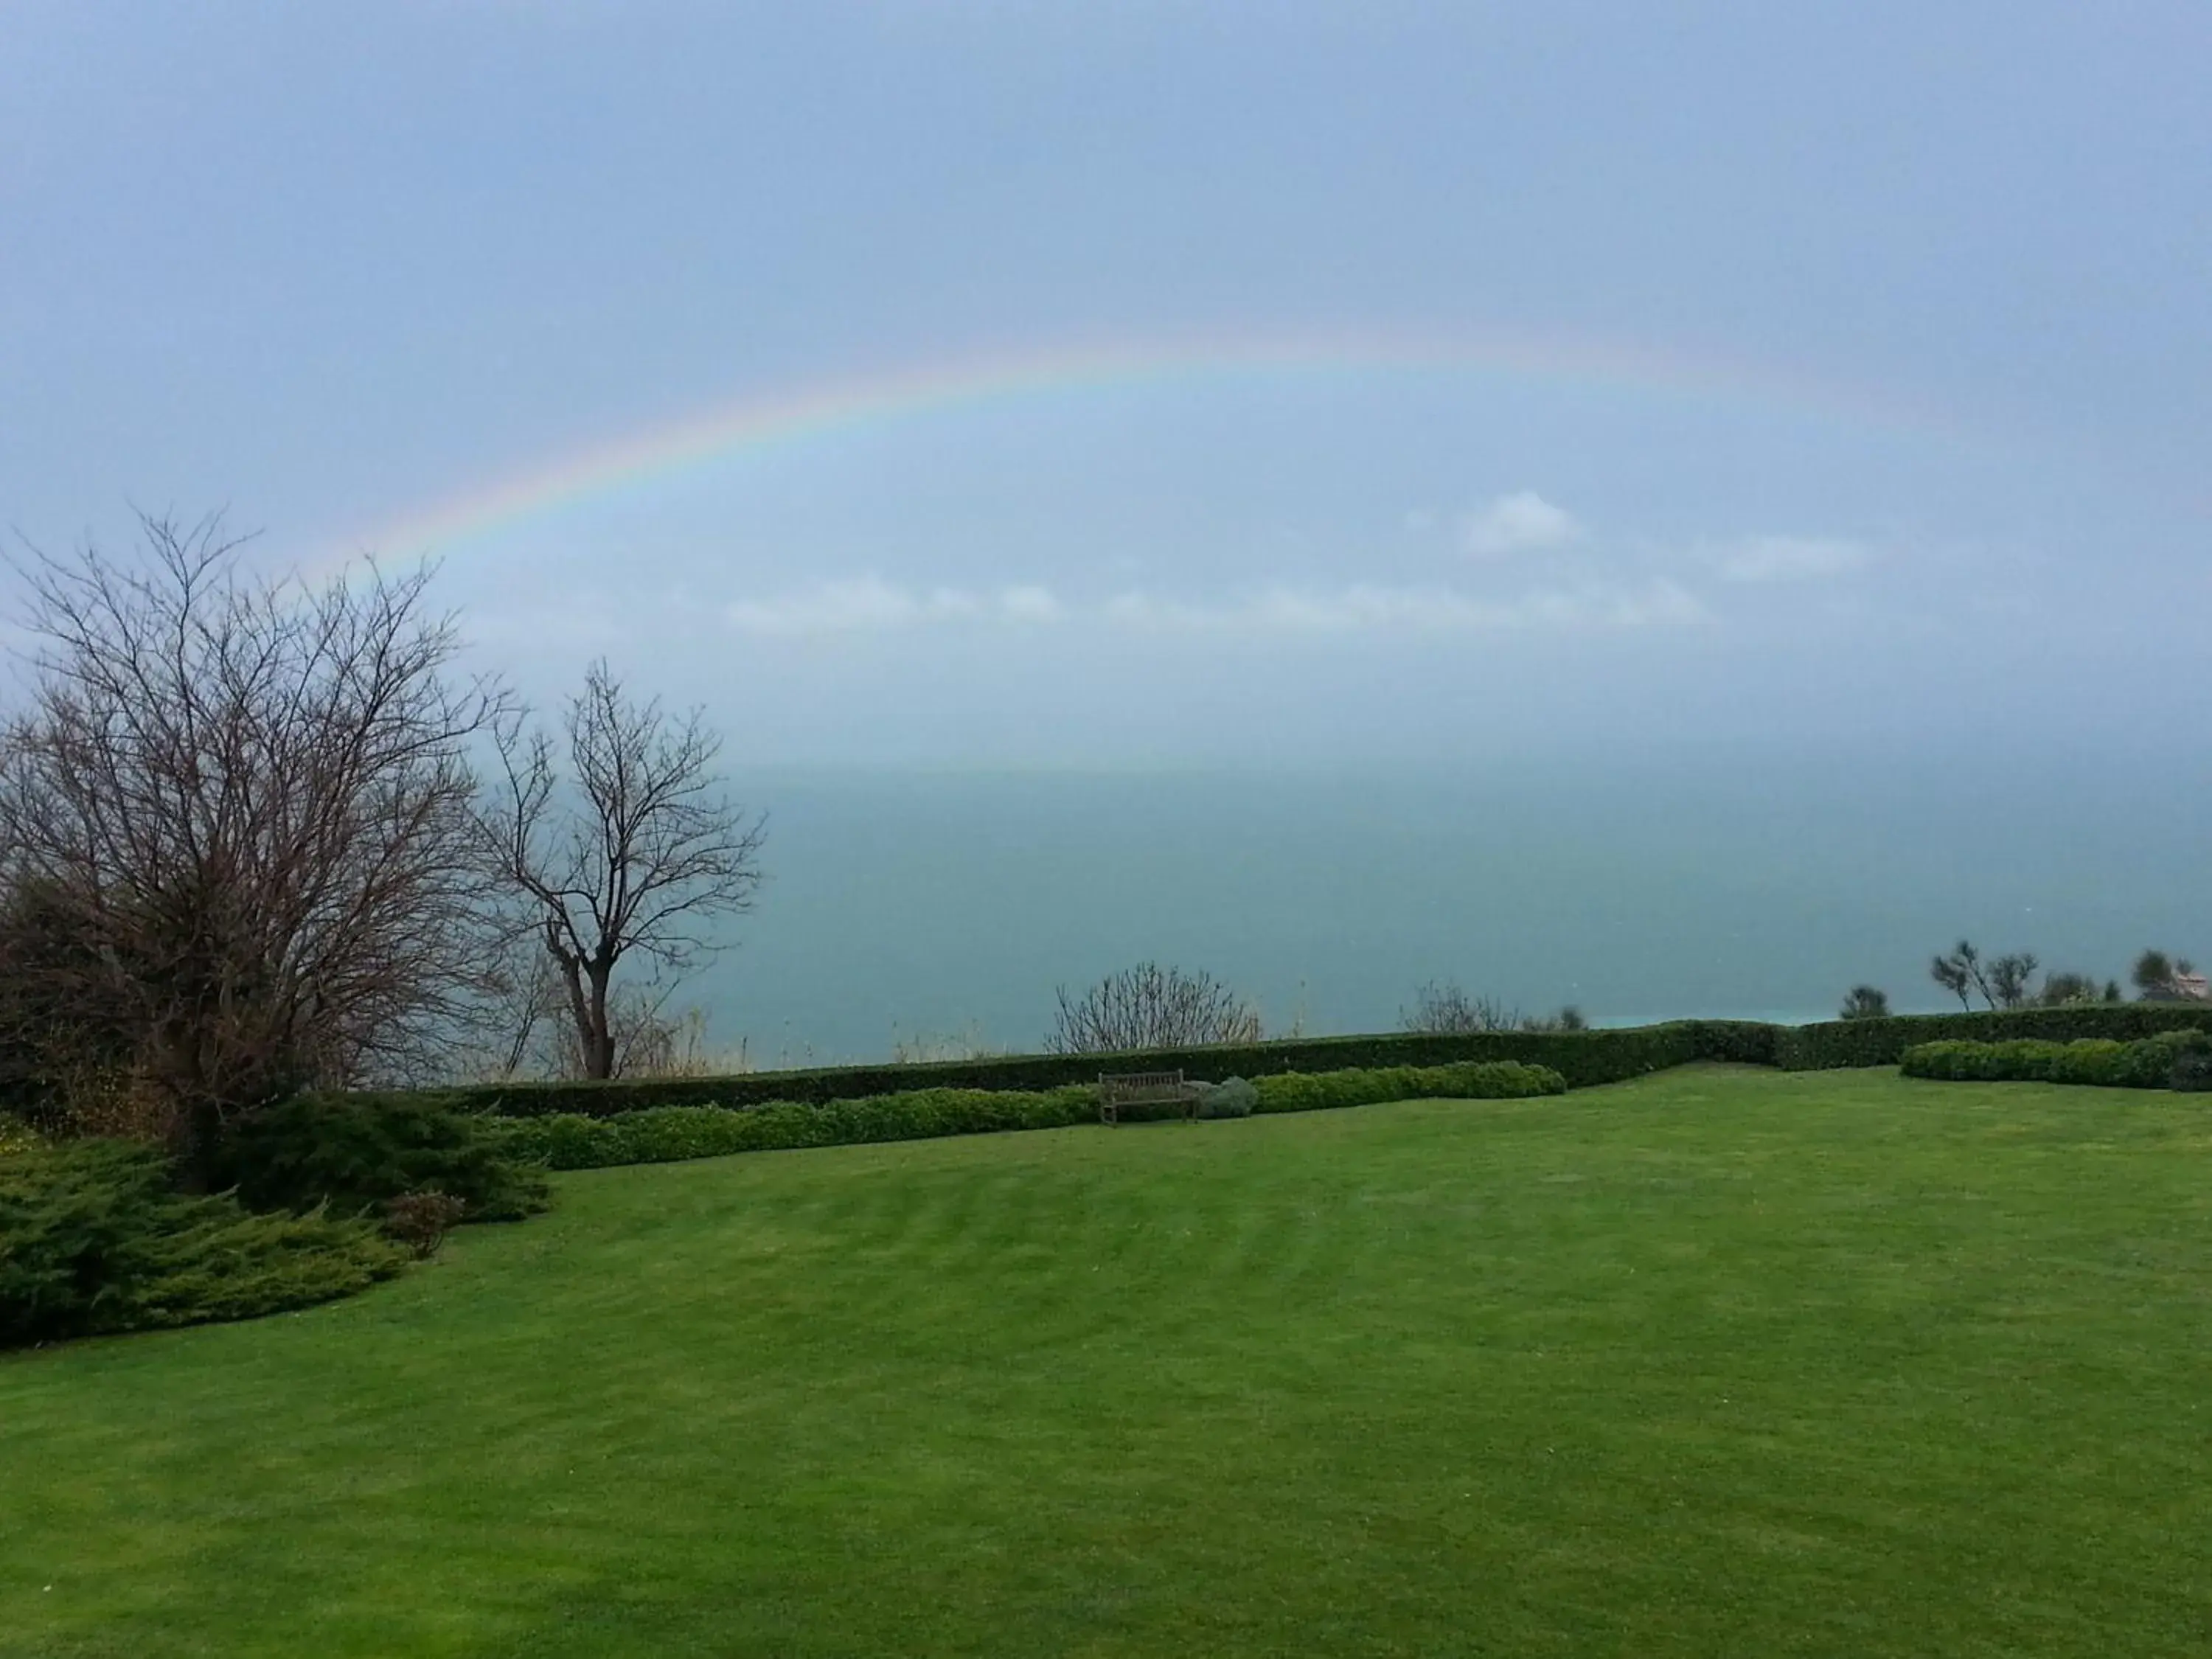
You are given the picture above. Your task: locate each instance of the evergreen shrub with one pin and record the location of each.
(357, 1153)
(95, 1238)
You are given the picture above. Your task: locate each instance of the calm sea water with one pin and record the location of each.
(908, 904)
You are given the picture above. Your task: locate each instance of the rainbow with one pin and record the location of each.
(835, 406)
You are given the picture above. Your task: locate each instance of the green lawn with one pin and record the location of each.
(1721, 1362)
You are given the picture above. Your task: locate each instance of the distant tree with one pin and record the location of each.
(1959, 973)
(235, 826)
(2060, 989)
(2112, 990)
(619, 843)
(2154, 975)
(1865, 1002)
(1152, 1007)
(2009, 978)
(1443, 1008)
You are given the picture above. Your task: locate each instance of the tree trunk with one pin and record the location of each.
(599, 1060)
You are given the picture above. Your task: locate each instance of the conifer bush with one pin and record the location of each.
(94, 1238)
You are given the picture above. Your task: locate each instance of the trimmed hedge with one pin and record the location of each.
(1582, 1058)
(1585, 1059)
(2151, 1063)
(662, 1134)
(94, 1238)
(1883, 1041)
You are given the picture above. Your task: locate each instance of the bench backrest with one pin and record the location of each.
(1135, 1085)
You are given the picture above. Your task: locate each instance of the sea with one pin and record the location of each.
(939, 911)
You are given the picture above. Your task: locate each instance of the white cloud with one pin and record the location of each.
(1370, 609)
(1517, 523)
(1790, 558)
(869, 605)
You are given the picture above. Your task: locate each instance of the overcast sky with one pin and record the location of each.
(1188, 381)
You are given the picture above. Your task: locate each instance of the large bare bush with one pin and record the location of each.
(619, 842)
(1152, 1007)
(240, 808)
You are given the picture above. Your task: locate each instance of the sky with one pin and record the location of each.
(969, 382)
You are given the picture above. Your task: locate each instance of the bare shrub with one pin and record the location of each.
(1152, 1007)
(422, 1220)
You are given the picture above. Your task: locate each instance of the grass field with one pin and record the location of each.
(1721, 1362)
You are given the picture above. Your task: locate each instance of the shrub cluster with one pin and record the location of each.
(660, 1134)
(1308, 1091)
(1883, 1041)
(2149, 1063)
(355, 1153)
(94, 1238)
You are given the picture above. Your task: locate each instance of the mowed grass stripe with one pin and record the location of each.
(1720, 1361)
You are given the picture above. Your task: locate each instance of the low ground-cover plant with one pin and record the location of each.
(668, 1133)
(355, 1153)
(95, 1238)
(2150, 1063)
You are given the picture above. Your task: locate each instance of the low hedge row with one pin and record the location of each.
(1582, 1058)
(1474, 1079)
(661, 1135)
(2148, 1063)
(1842, 1042)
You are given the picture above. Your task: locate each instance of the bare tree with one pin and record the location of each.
(628, 849)
(2010, 978)
(1443, 1007)
(243, 808)
(1961, 972)
(1152, 1007)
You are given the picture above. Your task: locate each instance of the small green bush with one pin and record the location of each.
(2149, 1063)
(94, 1238)
(1231, 1097)
(357, 1153)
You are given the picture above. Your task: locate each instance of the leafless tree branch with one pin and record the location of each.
(631, 850)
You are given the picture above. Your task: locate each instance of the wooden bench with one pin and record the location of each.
(1144, 1088)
